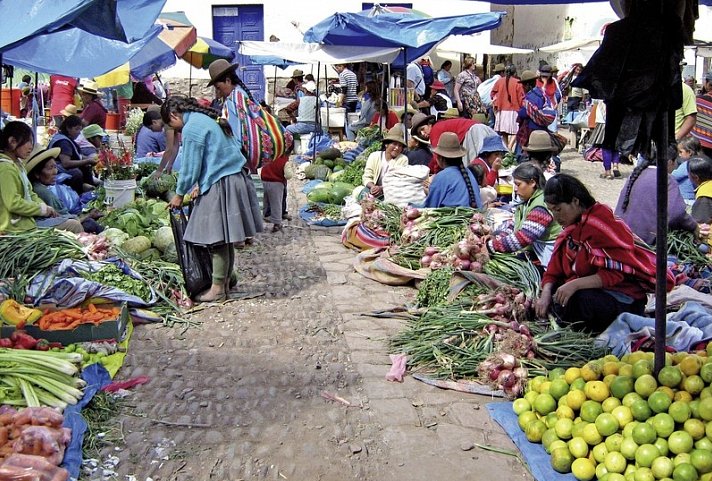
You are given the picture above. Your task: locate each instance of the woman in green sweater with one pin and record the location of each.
(534, 227)
(19, 205)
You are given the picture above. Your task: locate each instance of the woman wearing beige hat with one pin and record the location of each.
(379, 162)
(540, 151)
(93, 111)
(454, 185)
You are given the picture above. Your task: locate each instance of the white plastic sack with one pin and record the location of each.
(404, 185)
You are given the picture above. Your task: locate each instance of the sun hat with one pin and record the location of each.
(540, 141)
(91, 88)
(395, 135)
(309, 86)
(499, 68)
(449, 146)
(69, 109)
(451, 113)
(38, 155)
(420, 119)
(219, 68)
(545, 70)
(437, 85)
(297, 73)
(527, 76)
(493, 143)
(93, 130)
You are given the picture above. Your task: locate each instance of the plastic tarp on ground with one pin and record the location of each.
(314, 52)
(469, 44)
(74, 52)
(591, 43)
(417, 35)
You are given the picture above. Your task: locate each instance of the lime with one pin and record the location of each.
(659, 402)
(607, 424)
(565, 412)
(664, 424)
(550, 419)
(615, 477)
(680, 442)
(615, 462)
(558, 387)
(590, 410)
(556, 373)
(684, 472)
(670, 376)
(610, 367)
(591, 435)
(520, 405)
(706, 372)
(630, 398)
(578, 447)
(693, 384)
(531, 396)
(535, 430)
(623, 414)
(596, 390)
(584, 470)
(645, 454)
(578, 384)
(705, 409)
(643, 474)
(561, 460)
(682, 396)
(690, 365)
(601, 472)
(644, 433)
(613, 443)
(641, 410)
(704, 443)
(544, 404)
(681, 458)
(695, 428)
(701, 459)
(577, 430)
(628, 429)
(662, 467)
(621, 386)
(680, 411)
(599, 452)
(535, 383)
(525, 418)
(556, 445)
(548, 437)
(563, 428)
(628, 448)
(609, 404)
(572, 374)
(591, 371)
(575, 398)
(645, 385)
(662, 445)
(625, 370)
(642, 367)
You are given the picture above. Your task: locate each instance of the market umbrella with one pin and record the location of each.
(126, 21)
(380, 27)
(471, 44)
(205, 51)
(176, 37)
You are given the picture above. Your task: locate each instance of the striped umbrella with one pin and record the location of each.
(177, 36)
(207, 50)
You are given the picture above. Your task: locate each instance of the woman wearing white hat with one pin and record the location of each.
(380, 161)
(454, 186)
(93, 111)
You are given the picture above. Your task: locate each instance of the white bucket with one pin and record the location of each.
(301, 146)
(119, 192)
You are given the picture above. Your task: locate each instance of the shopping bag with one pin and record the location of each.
(194, 260)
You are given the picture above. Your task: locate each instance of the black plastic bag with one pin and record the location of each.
(194, 260)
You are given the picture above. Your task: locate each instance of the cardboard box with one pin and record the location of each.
(115, 329)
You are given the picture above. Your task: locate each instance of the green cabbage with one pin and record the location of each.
(163, 238)
(115, 236)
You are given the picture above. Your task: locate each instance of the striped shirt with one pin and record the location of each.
(703, 126)
(349, 82)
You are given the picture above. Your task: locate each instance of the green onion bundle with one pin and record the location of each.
(516, 272)
(26, 254)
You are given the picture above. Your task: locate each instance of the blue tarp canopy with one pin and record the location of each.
(415, 34)
(75, 53)
(121, 20)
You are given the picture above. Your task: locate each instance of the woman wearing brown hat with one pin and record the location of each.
(540, 150)
(454, 185)
(379, 162)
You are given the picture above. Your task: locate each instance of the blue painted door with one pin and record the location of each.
(242, 22)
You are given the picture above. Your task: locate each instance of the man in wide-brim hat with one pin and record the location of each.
(537, 112)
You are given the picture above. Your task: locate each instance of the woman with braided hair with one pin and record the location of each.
(213, 166)
(637, 204)
(507, 98)
(454, 185)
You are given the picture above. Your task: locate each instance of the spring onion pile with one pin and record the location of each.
(39, 378)
(514, 271)
(26, 254)
(684, 246)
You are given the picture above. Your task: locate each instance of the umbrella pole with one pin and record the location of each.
(405, 109)
(661, 245)
(317, 117)
(190, 80)
(274, 91)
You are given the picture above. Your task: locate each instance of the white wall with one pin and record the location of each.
(279, 15)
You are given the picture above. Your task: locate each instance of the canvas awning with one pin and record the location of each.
(471, 44)
(591, 43)
(306, 53)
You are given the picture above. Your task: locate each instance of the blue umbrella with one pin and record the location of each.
(122, 20)
(417, 35)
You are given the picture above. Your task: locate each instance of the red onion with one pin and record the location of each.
(506, 378)
(508, 361)
(531, 354)
(521, 373)
(462, 264)
(524, 329)
(477, 218)
(494, 373)
(491, 328)
(430, 251)
(475, 266)
(412, 213)
(425, 261)
(514, 325)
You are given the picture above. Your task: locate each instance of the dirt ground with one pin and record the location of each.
(242, 397)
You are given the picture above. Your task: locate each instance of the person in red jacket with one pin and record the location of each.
(274, 184)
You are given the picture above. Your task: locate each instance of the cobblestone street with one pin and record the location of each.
(241, 397)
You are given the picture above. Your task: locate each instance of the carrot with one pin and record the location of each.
(75, 313)
(92, 308)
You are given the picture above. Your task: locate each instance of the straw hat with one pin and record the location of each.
(528, 76)
(396, 134)
(499, 68)
(449, 146)
(539, 141)
(38, 155)
(297, 73)
(69, 109)
(91, 88)
(451, 113)
(220, 68)
(93, 130)
(437, 85)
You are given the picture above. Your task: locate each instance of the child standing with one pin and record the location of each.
(274, 185)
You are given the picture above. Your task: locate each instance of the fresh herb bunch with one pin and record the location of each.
(112, 276)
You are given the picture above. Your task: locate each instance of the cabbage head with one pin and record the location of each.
(115, 236)
(163, 238)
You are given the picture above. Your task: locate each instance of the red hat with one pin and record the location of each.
(437, 85)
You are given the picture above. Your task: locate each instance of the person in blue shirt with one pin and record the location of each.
(454, 186)
(150, 137)
(687, 147)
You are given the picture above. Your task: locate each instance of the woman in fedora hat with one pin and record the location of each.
(454, 185)
(540, 150)
(41, 169)
(378, 163)
(534, 228)
(93, 111)
(222, 214)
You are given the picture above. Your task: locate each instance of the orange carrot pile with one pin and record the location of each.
(73, 317)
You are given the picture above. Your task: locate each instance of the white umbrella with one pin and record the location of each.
(591, 43)
(309, 53)
(472, 44)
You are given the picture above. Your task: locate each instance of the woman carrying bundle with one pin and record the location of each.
(213, 164)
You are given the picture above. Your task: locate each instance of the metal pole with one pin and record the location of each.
(190, 80)
(661, 143)
(317, 116)
(274, 91)
(405, 77)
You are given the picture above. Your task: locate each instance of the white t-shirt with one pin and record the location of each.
(415, 74)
